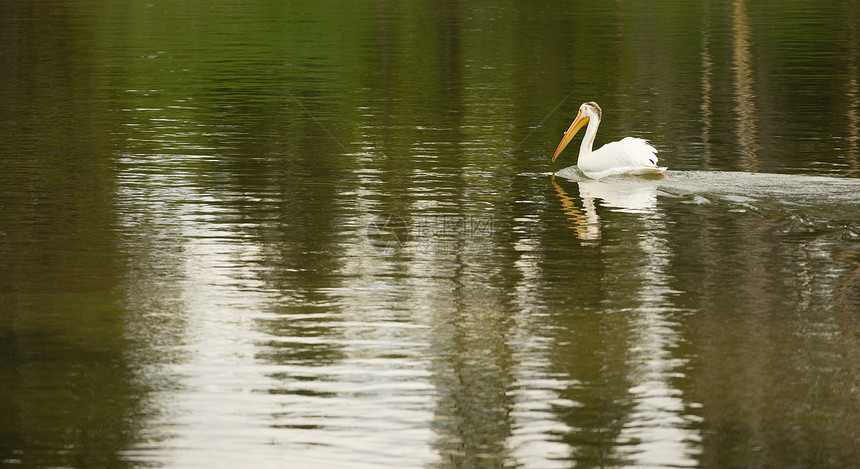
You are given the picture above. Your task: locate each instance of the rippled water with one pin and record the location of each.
(277, 235)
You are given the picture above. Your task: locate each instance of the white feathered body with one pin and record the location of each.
(630, 155)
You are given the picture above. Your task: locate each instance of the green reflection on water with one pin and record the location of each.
(186, 191)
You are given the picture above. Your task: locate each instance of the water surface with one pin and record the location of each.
(253, 234)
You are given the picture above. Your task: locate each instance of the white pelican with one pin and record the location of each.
(629, 156)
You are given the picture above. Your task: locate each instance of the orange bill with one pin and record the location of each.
(578, 123)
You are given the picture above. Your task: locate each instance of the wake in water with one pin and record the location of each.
(810, 203)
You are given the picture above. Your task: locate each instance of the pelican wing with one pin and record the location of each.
(628, 156)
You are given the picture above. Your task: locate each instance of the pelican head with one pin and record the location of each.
(587, 112)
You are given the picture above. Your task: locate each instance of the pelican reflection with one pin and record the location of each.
(632, 195)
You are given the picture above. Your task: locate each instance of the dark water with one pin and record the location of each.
(268, 234)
